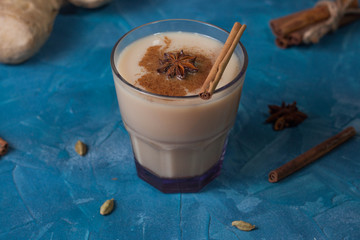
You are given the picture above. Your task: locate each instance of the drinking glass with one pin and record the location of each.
(178, 142)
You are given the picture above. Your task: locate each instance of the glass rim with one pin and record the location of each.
(232, 82)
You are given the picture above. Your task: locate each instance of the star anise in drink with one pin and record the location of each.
(285, 116)
(177, 64)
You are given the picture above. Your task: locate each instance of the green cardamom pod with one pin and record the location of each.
(244, 226)
(107, 207)
(80, 148)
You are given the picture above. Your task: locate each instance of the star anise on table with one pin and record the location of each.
(286, 115)
(177, 64)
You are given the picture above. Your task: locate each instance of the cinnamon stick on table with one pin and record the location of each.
(311, 155)
(289, 30)
(284, 25)
(3, 147)
(295, 38)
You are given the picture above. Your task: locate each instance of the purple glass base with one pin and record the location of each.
(181, 185)
(178, 185)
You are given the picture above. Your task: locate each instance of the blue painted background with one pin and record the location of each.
(66, 92)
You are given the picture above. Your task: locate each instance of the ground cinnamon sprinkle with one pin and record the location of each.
(150, 60)
(163, 85)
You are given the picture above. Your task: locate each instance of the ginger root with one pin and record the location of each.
(89, 3)
(25, 25)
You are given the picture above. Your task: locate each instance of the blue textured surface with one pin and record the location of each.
(66, 92)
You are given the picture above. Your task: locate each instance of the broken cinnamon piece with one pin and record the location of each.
(311, 155)
(4, 146)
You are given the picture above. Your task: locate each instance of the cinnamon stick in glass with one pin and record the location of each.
(3, 147)
(311, 155)
(221, 61)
